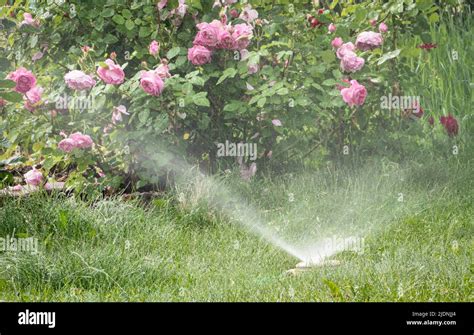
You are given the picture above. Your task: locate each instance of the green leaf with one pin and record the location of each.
(173, 52)
(329, 82)
(4, 63)
(12, 96)
(282, 91)
(228, 73)
(387, 56)
(126, 13)
(261, 102)
(144, 31)
(110, 39)
(204, 102)
(434, 18)
(200, 99)
(328, 56)
(5, 83)
(232, 107)
(108, 12)
(129, 24)
(254, 99)
(198, 81)
(118, 19)
(143, 115)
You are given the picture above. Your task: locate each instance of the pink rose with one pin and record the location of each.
(226, 40)
(24, 79)
(33, 177)
(151, 82)
(373, 22)
(3, 102)
(17, 188)
(111, 74)
(214, 24)
(162, 4)
(332, 28)
(248, 14)
(154, 48)
(67, 145)
(345, 48)
(117, 114)
(78, 80)
(337, 42)
(81, 141)
(351, 63)
(253, 68)
(29, 21)
(355, 94)
(163, 71)
(383, 28)
(199, 55)
(276, 123)
(182, 8)
(368, 40)
(207, 35)
(242, 34)
(34, 95)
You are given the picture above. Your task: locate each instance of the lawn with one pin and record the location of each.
(115, 250)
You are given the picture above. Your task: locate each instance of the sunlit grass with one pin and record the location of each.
(115, 250)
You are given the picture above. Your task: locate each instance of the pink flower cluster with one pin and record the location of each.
(355, 94)
(368, 40)
(33, 98)
(24, 79)
(33, 177)
(153, 81)
(218, 35)
(154, 48)
(111, 73)
(78, 80)
(350, 62)
(29, 21)
(76, 140)
(25, 82)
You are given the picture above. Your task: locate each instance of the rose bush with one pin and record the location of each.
(133, 80)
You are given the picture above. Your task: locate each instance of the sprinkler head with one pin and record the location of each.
(308, 265)
(314, 264)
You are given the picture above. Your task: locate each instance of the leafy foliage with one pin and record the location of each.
(296, 83)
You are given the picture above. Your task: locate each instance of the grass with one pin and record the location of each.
(112, 250)
(443, 81)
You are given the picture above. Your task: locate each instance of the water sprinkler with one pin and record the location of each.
(311, 264)
(314, 264)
